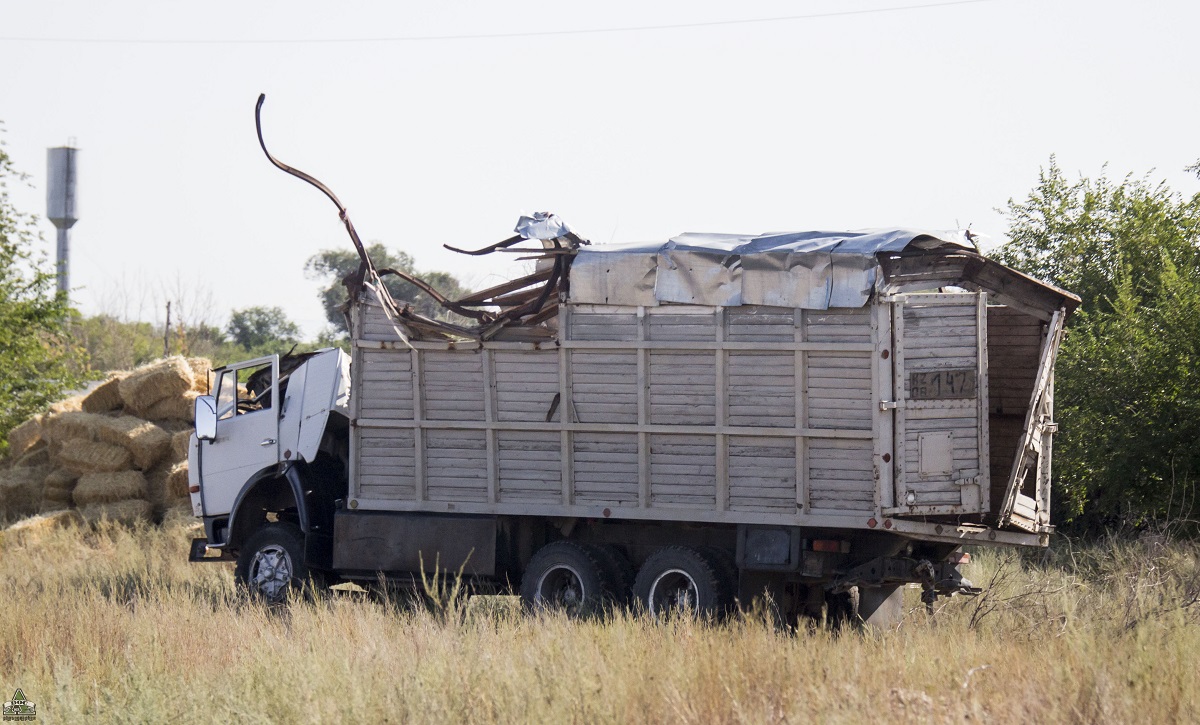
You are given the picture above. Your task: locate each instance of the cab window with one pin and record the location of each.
(227, 395)
(236, 391)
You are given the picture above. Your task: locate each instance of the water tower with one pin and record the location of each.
(61, 205)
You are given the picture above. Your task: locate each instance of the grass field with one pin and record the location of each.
(115, 625)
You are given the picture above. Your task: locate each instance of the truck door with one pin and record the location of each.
(940, 385)
(247, 431)
(1027, 500)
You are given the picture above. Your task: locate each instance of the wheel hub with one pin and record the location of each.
(271, 572)
(673, 591)
(561, 588)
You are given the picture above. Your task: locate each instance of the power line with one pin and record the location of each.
(492, 36)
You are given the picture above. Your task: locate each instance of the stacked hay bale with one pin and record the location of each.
(119, 452)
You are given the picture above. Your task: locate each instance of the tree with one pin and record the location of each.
(1128, 377)
(262, 329)
(331, 265)
(38, 360)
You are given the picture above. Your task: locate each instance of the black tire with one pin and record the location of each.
(682, 580)
(726, 563)
(841, 610)
(619, 570)
(568, 577)
(271, 567)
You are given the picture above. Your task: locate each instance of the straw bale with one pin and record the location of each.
(72, 425)
(96, 488)
(25, 436)
(201, 367)
(32, 530)
(106, 396)
(145, 441)
(60, 479)
(56, 490)
(180, 513)
(181, 444)
(127, 512)
(180, 407)
(39, 456)
(174, 426)
(94, 457)
(58, 493)
(21, 490)
(177, 481)
(157, 381)
(50, 504)
(70, 405)
(156, 483)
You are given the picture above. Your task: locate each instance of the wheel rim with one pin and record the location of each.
(271, 572)
(674, 590)
(561, 587)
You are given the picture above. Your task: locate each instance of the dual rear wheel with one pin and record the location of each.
(584, 579)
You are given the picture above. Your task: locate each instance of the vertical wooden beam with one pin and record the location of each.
(566, 408)
(488, 362)
(722, 413)
(985, 434)
(418, 381)
(356, 371)
(1046, 457)
(800, 360)
(643, 404)
(899, 480)
(881, 419)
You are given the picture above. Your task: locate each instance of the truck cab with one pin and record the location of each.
(270, 455)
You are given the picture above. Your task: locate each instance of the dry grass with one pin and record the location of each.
(116, 625)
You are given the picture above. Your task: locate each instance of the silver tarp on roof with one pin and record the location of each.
(811, 270)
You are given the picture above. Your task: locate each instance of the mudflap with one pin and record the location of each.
(881, 607)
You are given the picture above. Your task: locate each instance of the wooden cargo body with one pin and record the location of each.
(927, 414)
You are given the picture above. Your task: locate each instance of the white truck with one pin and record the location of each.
(821, 417)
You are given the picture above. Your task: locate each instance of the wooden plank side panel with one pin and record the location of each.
(526, 383)
(847, 326)
(675, 326)
(839, 390)
(530, 466)
(840, 474)
(762, 389)
(752, 323)
(453, 384)
(456, 465)
(940, 335)
(386, 463)
(940, 332)
(683, 471)
(385, 387)
(604, 386)
(585, 324)
(682, 387)
(941, 489)
(605, 468)
(1014, 349)
(762, 474)
(375, 324)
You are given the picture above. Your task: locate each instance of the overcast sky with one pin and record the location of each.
(443, 122)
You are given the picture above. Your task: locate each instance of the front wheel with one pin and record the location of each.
(271, 564)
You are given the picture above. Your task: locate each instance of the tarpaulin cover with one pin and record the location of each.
(810, 270)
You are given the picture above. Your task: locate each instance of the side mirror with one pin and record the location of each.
(206, 418)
